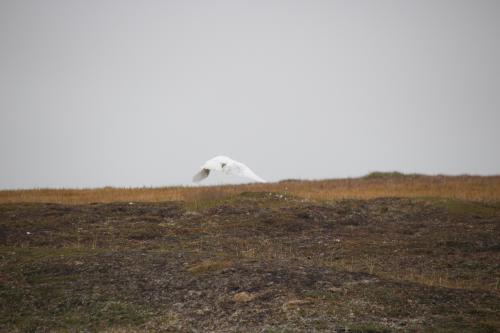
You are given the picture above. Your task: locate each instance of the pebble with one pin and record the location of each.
(243, 297)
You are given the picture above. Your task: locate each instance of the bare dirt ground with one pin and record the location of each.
(251, 262)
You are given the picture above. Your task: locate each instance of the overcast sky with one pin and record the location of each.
(141, 93)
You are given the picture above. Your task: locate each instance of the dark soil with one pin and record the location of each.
(251, 263)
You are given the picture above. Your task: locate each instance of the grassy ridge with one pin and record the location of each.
(382, 253)
(374, 185)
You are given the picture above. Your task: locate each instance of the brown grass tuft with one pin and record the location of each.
(209, 266)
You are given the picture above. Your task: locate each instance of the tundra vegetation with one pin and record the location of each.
(386, 252)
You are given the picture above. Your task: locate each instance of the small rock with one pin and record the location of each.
(191, 213)
(203, 311)
(243, 297)
(194, 293)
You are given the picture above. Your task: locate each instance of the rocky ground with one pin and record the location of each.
(254, 262)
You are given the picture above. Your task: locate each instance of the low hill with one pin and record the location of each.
(240, 259)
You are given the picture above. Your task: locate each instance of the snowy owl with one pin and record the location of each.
(227, 166)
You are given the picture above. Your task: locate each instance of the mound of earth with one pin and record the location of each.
(251, 263)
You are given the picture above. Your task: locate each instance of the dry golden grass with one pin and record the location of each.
(209, 265)
(474, 188)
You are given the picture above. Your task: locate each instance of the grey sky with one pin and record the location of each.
(132, 93)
